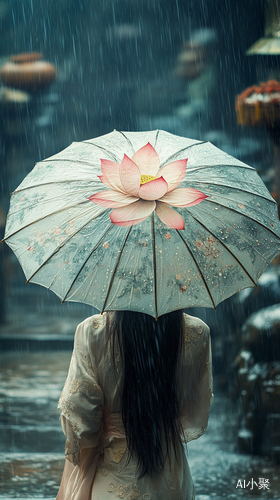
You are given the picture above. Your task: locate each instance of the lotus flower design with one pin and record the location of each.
(138, 186)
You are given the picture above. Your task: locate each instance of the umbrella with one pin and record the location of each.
(143, 221)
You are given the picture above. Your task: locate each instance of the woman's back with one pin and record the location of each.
(91, 407)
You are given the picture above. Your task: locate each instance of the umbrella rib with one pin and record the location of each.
(174, 155)
(62, 244)
(236, 231)
(84, 263)
(201, 167)
(69, 160)
(157, 135)
(115, 268)
(46, 216)
(231, 187)
(128, 140)
(155, 263)
(198, 268)
(227, 249)
(103, 149)
(243, 215)
(48, 183)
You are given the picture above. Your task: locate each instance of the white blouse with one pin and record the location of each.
(96, 467)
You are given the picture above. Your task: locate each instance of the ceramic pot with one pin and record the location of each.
(27, 72)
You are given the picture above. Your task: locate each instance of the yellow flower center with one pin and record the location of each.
(146, 178)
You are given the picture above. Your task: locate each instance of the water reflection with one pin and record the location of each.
(32, 445)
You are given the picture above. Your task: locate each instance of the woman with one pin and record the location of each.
(137, 389)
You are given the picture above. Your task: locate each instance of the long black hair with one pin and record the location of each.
(150, 351)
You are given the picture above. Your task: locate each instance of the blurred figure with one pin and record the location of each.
(194, 56)
(196, 67)
(180, 101)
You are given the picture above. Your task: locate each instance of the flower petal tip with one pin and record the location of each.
(171, 218)
(147, 159)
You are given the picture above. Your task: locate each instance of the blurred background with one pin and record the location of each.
(71, 71)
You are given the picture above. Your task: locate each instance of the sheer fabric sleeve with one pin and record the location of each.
(81, 401)
(197, 380)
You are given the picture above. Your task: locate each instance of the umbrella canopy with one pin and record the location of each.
(146, 221)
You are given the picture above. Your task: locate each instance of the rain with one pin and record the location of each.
(174, 65)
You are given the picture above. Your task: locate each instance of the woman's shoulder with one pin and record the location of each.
(90, 336)
(91, 328)
(196, 325)
(196, 335)
(94, 323)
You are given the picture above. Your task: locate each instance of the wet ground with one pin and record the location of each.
(32, 444)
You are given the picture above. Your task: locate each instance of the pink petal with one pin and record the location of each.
(132, 214)
(184, 197)
(130, 176)
(147, 160)
(111, 175)
(128, 222)
(169, 217)
(153, 190)
(112, 199)
(174, 173)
